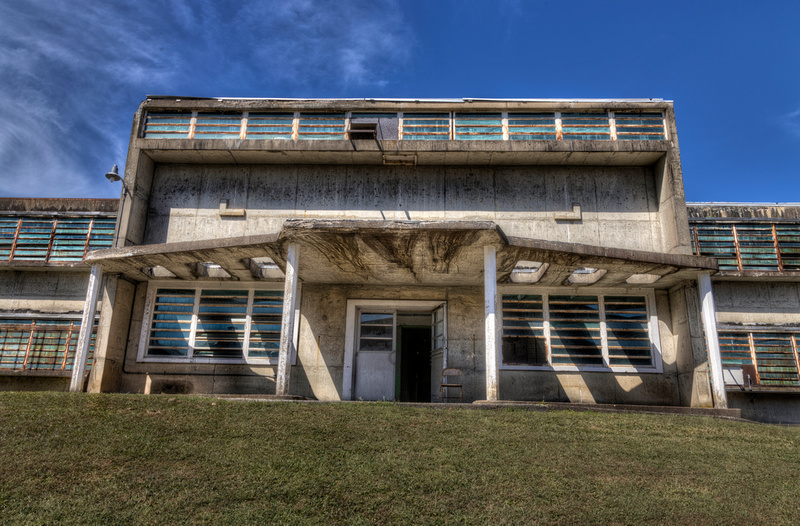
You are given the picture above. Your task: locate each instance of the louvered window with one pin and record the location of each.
(579, 331)
(640, 126)
(270, 125)
(52, 238)
(212, 324)
(479, 126)
(41, 344)
(218, 126)
(426, 126)
(316, 126)
(532, 126)
(585, 126)
(774, 356)
(766, 245)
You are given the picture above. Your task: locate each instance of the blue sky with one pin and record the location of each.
(72, 73)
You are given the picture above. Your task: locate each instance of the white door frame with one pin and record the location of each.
(351, 326)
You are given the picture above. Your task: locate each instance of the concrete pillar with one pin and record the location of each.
(490, 324)
(87, 326)
(112, 335)
(287, 323)
(712, 339)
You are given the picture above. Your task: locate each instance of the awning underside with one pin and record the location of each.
(445, 253)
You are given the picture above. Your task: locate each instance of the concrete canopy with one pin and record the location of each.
(396, 253)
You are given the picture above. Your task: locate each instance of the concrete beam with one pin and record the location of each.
(87, 326)
(288, 322)
(490, 324)
(712, 339)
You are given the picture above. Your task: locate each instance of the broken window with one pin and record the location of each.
(564, 330)
(209, 324)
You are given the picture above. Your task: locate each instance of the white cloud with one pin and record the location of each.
(792, 122)
(73, 72)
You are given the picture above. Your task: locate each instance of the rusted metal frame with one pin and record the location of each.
(28, 346)
(696, 240)
(753, 356)
(243, 128)
(777, 247)
(16, 238)
(192, 125)
(736, 247)
(559, 129)
(66, 346)
(612, 125)
(88, 238)
(52, 239)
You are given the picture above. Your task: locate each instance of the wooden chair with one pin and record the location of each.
(452, 379)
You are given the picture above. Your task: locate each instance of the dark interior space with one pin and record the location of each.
(415, 364)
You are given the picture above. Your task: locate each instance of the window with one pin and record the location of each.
(774, 356)
(212, 324)
(40, 344)
(568, 331)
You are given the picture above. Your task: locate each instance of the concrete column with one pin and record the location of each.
(287, 322)
(87, 326)
(490, 324)
(712, 339)
(112, 335)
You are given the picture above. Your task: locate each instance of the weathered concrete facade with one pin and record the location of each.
(43, 284)
(542, 247)
(757, 292)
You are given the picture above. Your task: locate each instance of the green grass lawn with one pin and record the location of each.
(133, 459)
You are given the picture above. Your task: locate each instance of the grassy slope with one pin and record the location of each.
(158, 460)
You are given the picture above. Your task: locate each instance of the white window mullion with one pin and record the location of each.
(248, 320)
(195, 311)
(505, 126)
(601, 302)
(546, 326)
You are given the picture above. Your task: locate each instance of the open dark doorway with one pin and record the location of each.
(415, 364)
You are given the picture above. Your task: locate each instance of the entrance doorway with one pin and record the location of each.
(394, 350)
(414, 360)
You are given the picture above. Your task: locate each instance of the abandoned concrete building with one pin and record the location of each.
(356, 249)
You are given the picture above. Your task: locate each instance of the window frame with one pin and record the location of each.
(601, 293)
(251, 287)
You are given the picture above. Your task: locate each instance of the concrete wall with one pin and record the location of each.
(39, 292)
(619, 204)
(778, 408)
(319, 369)
(757, 302)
